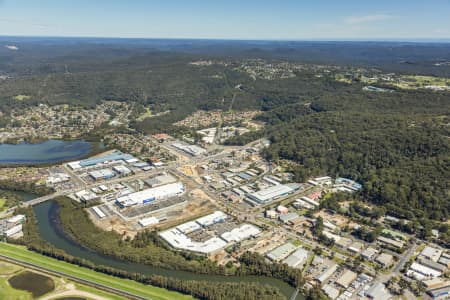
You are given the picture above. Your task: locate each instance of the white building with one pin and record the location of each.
(13, 230)
(152, 194)
(241, 233)
(148, 221)
(270, 194)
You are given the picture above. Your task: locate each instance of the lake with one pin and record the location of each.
(50, 231)
(51, 151)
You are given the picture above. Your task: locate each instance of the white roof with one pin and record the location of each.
(241, 233)
(74, 165)
(152, 193)
(431, 253)
(13, 230)
(211, 218)
(179, 240)
(99, 213)
(16, 218)
(271, 192)
(148, 221)
(424, 270)
(296, 258)
(188, 227)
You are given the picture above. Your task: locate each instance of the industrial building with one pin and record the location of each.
(346, 278)
(377, 291)
(180, 237)
(431, 253)
(179, 240)
(122, 170)
(269, 194)
(152, 194)
(189, 149)
(102, 174)
(89, 162)
(297, 258)
(321, 278)
(385, 260)
(13, 230)
(160, 179)
(148, 221)
(86, 196)
(215, 217)
(241, 233)
(281, 252)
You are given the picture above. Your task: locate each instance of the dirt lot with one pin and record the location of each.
(198, 205)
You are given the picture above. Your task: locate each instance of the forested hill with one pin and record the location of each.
(396, 144)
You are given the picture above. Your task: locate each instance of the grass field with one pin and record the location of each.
(2, 203)
(22, 254)
(146, 114)
(6, 291)
(21, 97)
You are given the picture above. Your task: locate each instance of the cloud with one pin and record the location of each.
(366, 19)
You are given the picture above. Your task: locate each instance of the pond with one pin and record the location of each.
(34, 283)
(51, 151)
(50, 231)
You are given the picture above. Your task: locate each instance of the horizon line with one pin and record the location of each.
(410, 40)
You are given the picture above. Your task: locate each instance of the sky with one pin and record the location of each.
(229, 19)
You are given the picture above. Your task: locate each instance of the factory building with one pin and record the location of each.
(269, 194)
(160, 179)
(115, 156)
(189, 149)
(215, 217)
(297, 258)
(152, 194)
(102, 174)
(122, 170)
(281, 252)
(240, 233)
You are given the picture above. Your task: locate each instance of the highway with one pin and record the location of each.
(73, 278)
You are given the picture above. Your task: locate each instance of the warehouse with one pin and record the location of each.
(346, 278)
(179, 240)
(148, 221)
(215, 217)
(190, 149)
(189, 227)
(102, 174)
(297, 258)
(13, 230)
(327, 273)
(122, 170)
(152, 194)
(281, 252)
(270, 194)
(241, 233)
(160, 179)
(115, 156)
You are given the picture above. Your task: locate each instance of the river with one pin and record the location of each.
(51, 151)
(50, 231)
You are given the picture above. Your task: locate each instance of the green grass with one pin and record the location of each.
(94, 291)
(8, 269)
(155, 293)
(146, 114)
(8, 293)
(2, 203)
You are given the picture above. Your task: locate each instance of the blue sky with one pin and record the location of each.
(229, 19)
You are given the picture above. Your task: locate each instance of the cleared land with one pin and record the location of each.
(22, 254)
